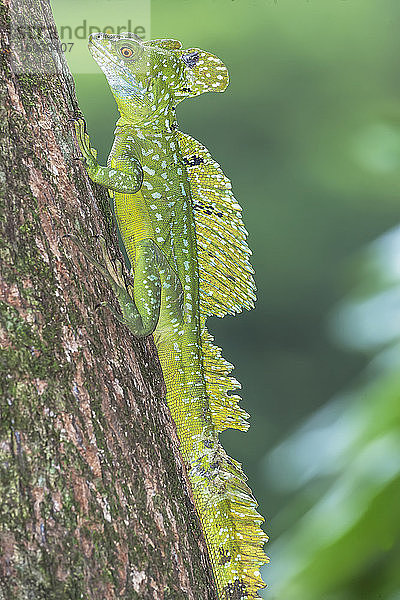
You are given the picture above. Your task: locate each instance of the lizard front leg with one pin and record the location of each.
(127, 180)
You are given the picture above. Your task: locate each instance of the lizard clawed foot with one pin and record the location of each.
(114, 271)
(100, 304)
(89, 154)
(114, 275)
(112, 310)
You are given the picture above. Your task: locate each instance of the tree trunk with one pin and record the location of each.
(95, 503)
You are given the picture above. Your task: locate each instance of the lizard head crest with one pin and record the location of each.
(148, 79)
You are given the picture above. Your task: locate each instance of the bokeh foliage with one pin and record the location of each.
(341, 524)
(309, 132)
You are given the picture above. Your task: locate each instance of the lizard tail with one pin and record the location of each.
(231, 524)
(226, 506)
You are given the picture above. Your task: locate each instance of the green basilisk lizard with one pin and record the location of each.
(184, 242)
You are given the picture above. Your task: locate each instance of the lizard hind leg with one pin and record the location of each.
(140, 317)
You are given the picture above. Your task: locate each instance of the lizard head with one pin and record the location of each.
(148, 79)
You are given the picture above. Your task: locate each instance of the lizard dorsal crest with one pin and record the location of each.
(204, 71)
(168, 43)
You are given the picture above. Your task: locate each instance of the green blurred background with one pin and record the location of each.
(309, 133)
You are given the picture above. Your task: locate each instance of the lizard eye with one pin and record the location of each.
(126, 52)
(129, 50)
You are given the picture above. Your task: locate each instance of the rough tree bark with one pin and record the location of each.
(94, 499)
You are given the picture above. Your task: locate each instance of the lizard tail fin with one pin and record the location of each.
(225, 408)
(231, 526)
(226, 287)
